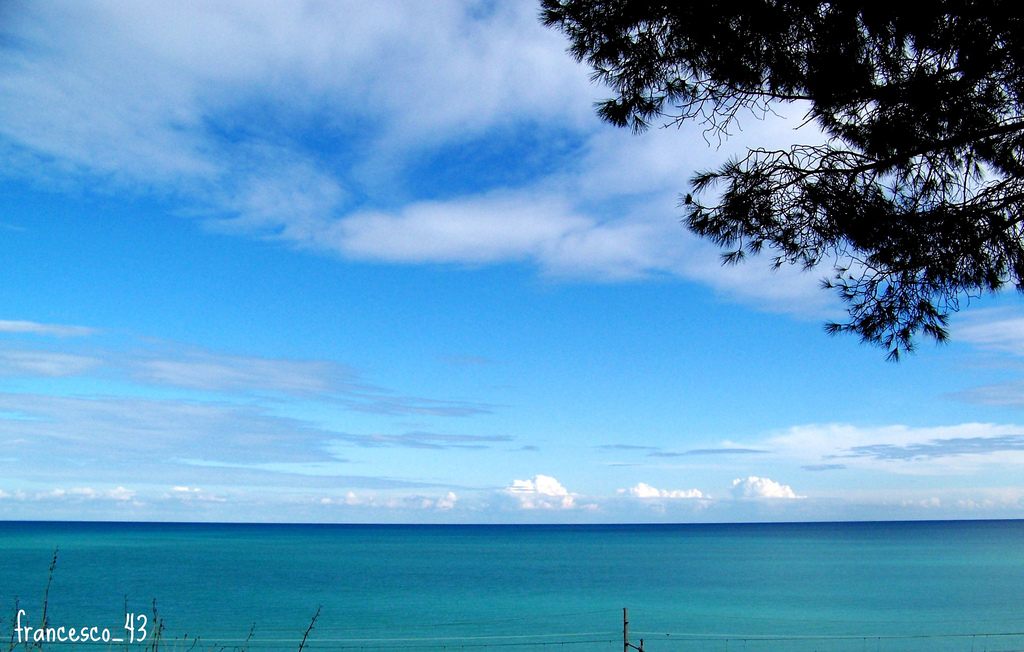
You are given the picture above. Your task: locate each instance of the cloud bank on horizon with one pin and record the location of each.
(476, 288)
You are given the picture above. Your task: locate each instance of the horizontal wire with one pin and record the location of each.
(567, 638)
(821, 620)
(459, 623)
(335, 644)
(427, 638)
(691, 636)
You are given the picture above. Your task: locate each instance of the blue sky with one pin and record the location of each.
(364, 262)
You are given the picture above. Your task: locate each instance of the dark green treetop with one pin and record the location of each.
(915, 197)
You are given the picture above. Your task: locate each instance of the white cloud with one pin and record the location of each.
(137, 436)
(755, 487)
(928, 503)
(644, 490)
(212, 106)
(412, 502)
(993, 330)
(201, 369)
(999, 331)
(51, 330)
(139, 104)
(87, 493)
(189, 494)
(446, 501)
(957, 449)
(1009, 394)
(541, 492)
(471, 230)
(426, 440)
(163, 364)
(121, 493)
(549, 230)
(40, 363)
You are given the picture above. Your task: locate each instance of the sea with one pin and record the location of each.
(954, 586)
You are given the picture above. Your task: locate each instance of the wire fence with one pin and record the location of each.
(693, 633)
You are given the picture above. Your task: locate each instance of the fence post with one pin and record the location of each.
(625, 629)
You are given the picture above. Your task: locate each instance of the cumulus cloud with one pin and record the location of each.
(121, 493)
(413, 502)
(541, 492)
(446, 501)
(191, 495)
(87, 493)
(755, 487)
(644, 490)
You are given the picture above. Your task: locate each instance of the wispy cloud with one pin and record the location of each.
(152, 106)
(427, 440)
(126, 434)
(201, 369)
(49, 330)
(997, 331)
(625, 447)
(220, 122)
(958, 449)
(993, 330)
(150, 442)
(468, 360)
(387, 403)
(710, 451)
(227, 419)
(196, 368)
(41, 363)
(954, 446)
(167, 365)
(1009, 394)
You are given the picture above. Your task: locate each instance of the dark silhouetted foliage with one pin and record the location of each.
(914, 199)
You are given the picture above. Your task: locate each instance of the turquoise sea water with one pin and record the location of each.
(848, 587)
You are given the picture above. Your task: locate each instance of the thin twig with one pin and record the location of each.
(310, 628)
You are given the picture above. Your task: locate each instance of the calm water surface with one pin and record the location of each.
(849, 587)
